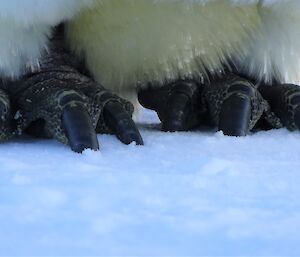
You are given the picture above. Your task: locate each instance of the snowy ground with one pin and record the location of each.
(194, 193)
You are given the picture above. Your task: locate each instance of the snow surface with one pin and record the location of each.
(195, 193)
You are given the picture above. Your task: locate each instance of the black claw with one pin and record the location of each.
(176, 114)
(179, 107)
(235, 115)
(79, 129)
(120, 122)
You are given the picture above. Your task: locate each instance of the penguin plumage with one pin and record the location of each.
(165, 49)
(25, 27)
(274, 53)
(130, 43)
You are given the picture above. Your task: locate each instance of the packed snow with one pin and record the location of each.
(189, 193)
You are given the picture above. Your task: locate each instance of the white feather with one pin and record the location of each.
(275, 52)
(21, 48)
(25, 27)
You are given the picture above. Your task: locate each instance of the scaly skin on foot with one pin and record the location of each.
(60, 102)
(231, 103)
(236, 106)
(6, 117)
(284, 100)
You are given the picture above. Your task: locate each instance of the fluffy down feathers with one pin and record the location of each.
(275, 54)
(25, 26)
(29, 12)
(21, 48)
(128, 43)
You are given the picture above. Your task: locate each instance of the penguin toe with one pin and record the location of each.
(113, 114)
(72, 110)
(178, 105)
(234, 105)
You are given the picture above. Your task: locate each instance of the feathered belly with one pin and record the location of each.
(127, 43)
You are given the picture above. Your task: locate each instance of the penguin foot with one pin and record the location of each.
(178, 105)
(72, 109)
(234, 105)
(284, 101)
(6, 117)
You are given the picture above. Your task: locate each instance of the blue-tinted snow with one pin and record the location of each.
(196, 193)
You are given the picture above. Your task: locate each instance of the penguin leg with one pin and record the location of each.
(234, 105)
(70, 107)
(59, 101)
(177, 104)
(6, 117)
(284, 101)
